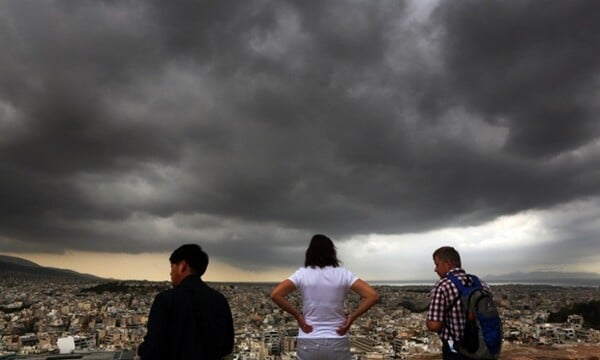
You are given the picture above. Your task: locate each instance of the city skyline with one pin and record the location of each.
(395, 127)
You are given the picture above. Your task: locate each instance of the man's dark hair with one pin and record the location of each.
(193, 255)
(321, 252)
(448, 253)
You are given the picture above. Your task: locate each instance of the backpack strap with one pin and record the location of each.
(445, 322)
(465, 290)
(460, 287)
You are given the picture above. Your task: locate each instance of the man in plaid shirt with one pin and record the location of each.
(445, 314)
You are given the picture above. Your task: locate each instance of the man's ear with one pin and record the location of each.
(185, 267)
(449, 265)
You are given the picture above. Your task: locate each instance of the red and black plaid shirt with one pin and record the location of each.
(443, 295)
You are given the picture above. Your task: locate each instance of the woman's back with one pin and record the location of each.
(323, 292)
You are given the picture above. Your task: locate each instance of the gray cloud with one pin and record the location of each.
(275, 120)
(529, 64)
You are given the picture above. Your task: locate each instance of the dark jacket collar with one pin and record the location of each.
(190, 280)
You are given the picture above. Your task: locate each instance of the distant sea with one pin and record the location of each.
(402, 282)
(545, 282)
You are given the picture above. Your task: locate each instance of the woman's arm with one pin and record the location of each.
(370, 297)
(278, 295)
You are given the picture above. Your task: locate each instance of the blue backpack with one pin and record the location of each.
(482, 336)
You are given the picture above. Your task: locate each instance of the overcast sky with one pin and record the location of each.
(130, 127)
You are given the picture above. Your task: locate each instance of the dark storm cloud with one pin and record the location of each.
(123, 123)
(528, 63)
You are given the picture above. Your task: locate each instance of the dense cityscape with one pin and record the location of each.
(41, 318)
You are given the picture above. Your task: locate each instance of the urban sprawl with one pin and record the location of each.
(37, 316)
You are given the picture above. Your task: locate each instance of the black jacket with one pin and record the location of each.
(190, 321)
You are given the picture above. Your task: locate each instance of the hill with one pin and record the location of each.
(17, 261)
(15, 267)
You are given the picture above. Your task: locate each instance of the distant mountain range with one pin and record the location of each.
(11, 266)
(544, 275)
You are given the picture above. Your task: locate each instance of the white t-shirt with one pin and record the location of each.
(323, 292)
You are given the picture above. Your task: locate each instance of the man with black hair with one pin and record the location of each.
(191, 320)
